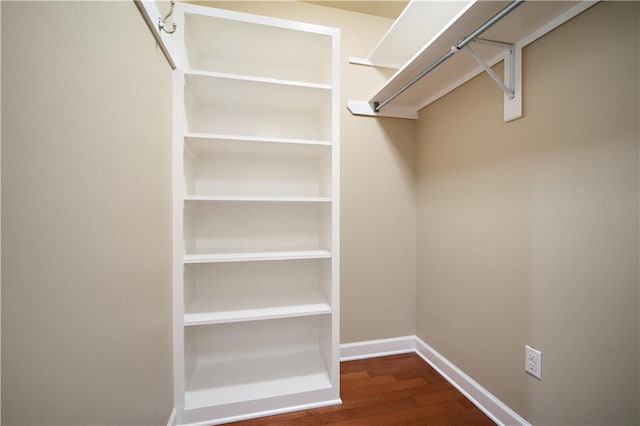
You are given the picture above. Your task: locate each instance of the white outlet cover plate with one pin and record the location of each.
(533, 361)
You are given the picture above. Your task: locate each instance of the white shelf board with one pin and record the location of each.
(229, 382)
(416, 25)
(215, 137)
(206, 256)
(259, 306)
(394, 111)
(218, 89)
(255, 79)
(259, 199)
(213, 144)
(524, 25)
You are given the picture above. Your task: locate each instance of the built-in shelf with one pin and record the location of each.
(216, 138)
(275, 51)
(206, 256)
(250, 361)
(232, 381)
(522, 26)
(210, 143)
(263, 80)
(217, 104)
(232, 227)
(253, 169)
(258, 199)
(256, 306)
(212, 88)
(256, 215)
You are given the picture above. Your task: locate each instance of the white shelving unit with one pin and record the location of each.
(524, 25)
(256, 217)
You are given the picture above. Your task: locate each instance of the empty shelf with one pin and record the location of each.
(234, 381)
(260, 306)
(266, 199)
(201, 256)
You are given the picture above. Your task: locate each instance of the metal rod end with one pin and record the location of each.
(376, 107)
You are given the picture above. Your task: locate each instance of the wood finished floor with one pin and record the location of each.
(392, 390)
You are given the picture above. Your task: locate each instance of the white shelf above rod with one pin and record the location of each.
(379, 105)
(527, 24)
(418, 23)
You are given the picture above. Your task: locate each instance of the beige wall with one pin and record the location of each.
(528, 231)
(86, 200)
(86, 197)
(378, 192)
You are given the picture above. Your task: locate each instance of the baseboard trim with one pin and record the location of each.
(375, 348)
(172, 418)
(495, 409)
(265, 413)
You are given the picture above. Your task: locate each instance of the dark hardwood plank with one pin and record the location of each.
(392, 390)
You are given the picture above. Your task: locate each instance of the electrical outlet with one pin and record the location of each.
(533, 361)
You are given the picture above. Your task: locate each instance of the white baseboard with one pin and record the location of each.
(266, 413)
(374, 348)
(172, 418)
(495, 409)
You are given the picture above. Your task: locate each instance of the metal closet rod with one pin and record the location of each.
(377, 106)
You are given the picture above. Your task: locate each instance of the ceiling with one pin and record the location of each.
(387, 9)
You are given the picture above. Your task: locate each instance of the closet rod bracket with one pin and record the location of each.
(378, 105)
(512, 83)
(508, 87)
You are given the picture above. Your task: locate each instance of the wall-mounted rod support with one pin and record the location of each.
(377, 106)
(493, 43)
(508, 90)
